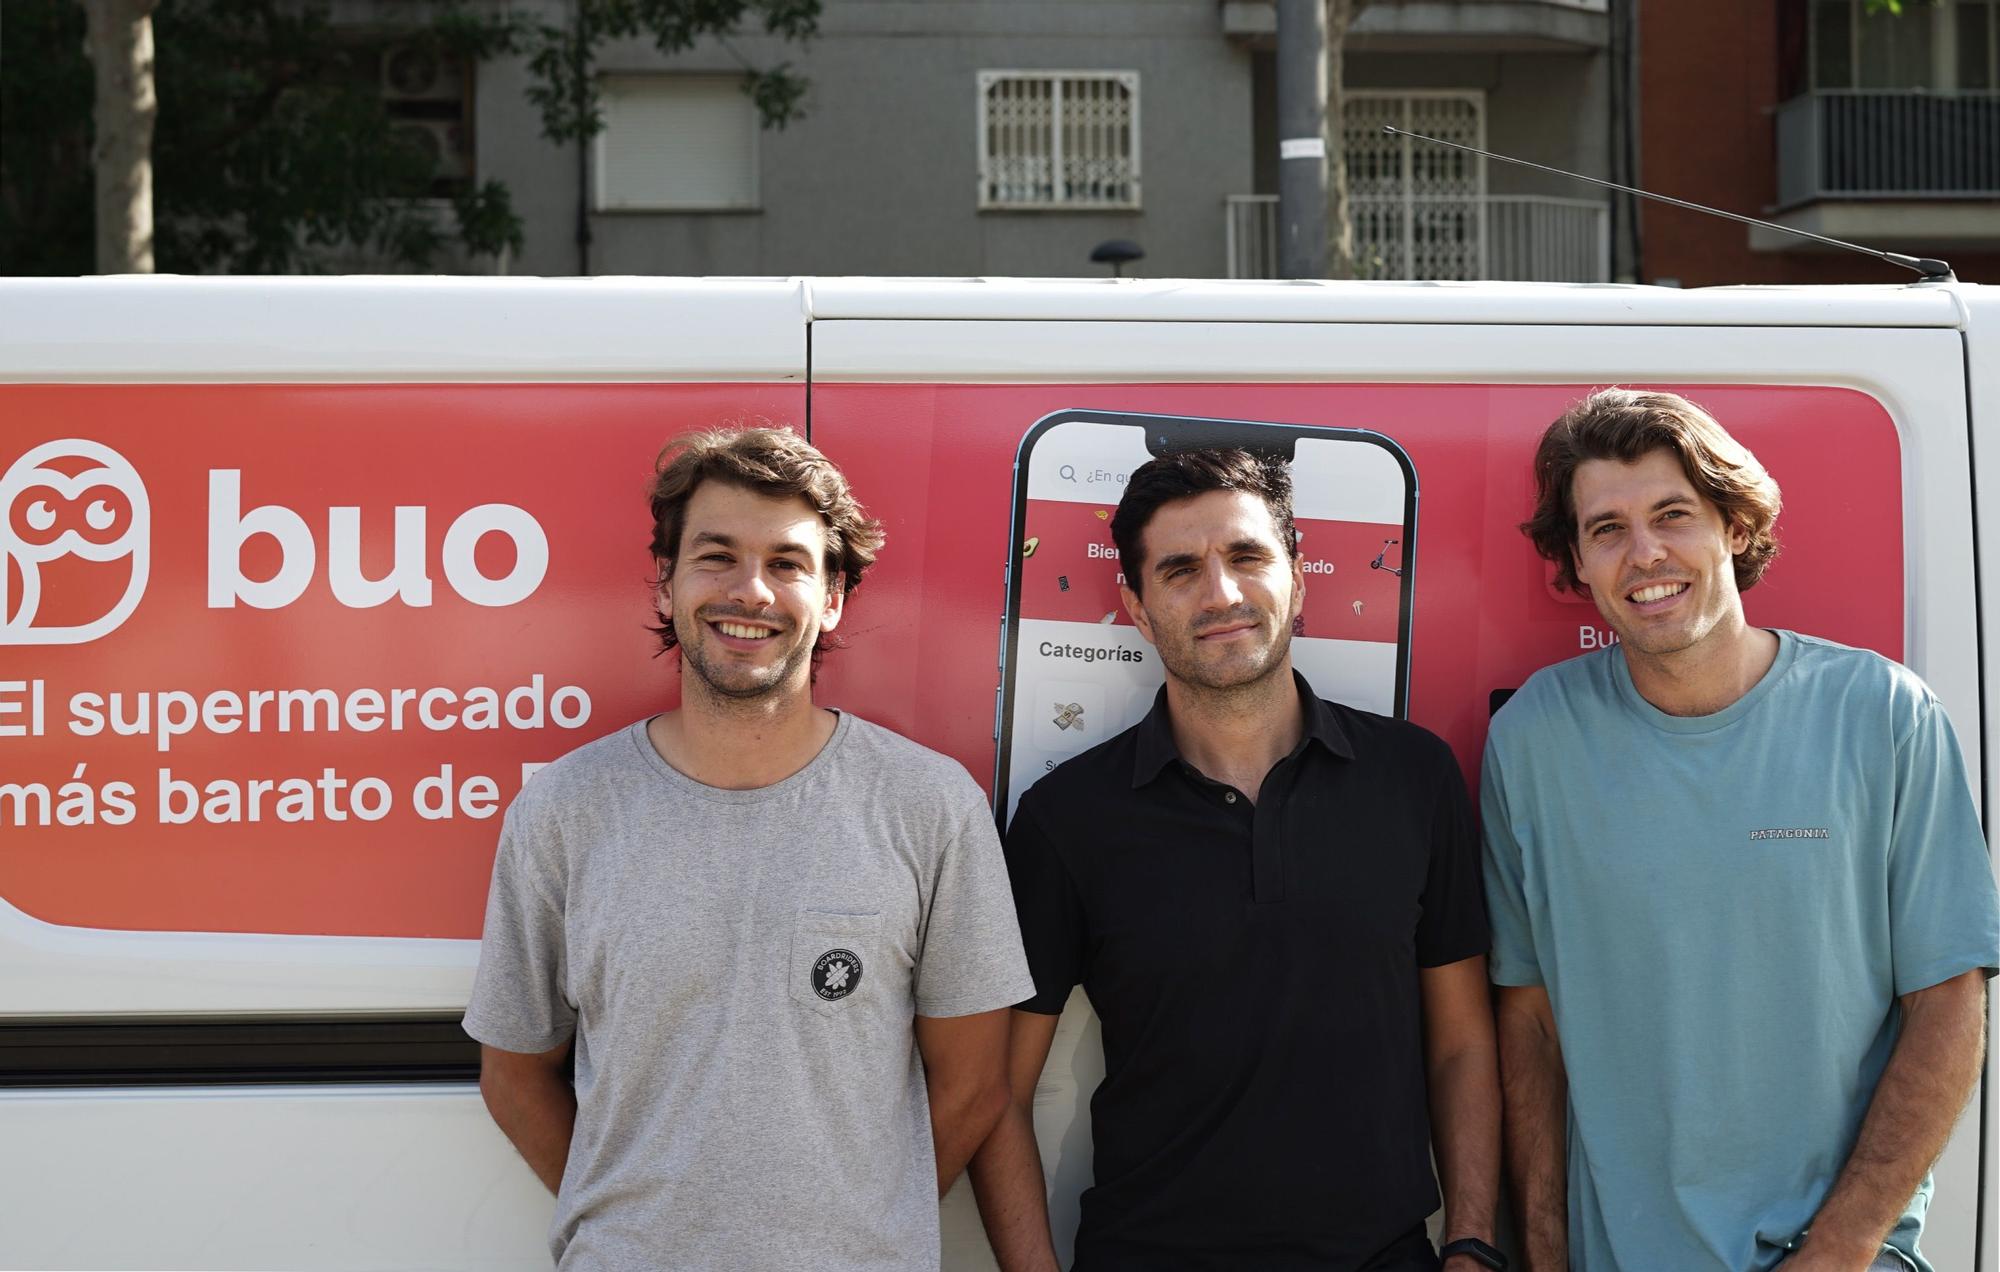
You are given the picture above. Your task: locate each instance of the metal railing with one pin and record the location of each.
(1885, 144)
(1516, 237)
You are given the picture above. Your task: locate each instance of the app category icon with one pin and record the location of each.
(1069, 715)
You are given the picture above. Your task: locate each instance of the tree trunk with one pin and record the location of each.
(1339, 224)
(119, 41)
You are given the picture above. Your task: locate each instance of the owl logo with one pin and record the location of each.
(71, 499)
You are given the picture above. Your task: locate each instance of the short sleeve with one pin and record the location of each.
(1943, 915)
(971, 960)
(1513, 959)
(1051, 912)
(1452, 926)
(519, 997)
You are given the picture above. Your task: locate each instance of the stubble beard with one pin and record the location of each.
(1234, 675)
(740, 685)
(1658, 643)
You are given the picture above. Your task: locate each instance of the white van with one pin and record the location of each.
(301, 579)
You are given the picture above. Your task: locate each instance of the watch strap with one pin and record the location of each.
(1479, 1251)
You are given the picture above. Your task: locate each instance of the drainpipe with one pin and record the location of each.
(582, 70)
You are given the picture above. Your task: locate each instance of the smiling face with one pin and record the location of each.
(1658, 558)
(1220, 590)
(748, 595)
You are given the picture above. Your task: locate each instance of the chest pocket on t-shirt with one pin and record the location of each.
(833, 957)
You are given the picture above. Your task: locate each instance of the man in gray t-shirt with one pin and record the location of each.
(780, 939)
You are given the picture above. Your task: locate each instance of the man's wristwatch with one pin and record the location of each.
(1478, 1251)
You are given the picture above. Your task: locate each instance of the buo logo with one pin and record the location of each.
(80, 499)
(835, 974)
(70, 498)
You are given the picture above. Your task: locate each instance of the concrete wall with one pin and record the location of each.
(1547, 108)
(881, 175)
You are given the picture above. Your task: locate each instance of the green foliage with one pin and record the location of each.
(562, 60)
(273, 149)
(46, 194)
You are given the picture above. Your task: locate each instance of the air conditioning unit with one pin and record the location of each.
(416, 72)
(443, 140)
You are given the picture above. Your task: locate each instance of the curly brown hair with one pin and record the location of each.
(1626, 424)
(770, 461)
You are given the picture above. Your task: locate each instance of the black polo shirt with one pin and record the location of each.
(1255, 969)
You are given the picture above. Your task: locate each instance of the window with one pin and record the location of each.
(1059, 139)
(1417, 211)
(676, 143)
(1948, 46)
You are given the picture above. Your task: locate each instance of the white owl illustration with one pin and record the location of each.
(69, 498)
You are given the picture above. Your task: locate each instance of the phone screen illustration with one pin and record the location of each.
(1077, 670)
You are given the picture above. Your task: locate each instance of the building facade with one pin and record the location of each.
(1014, 137)
(1833, 116)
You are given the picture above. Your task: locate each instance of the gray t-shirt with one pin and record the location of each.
(740, 970)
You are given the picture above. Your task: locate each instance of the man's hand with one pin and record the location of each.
(1929, 1077)
(533, 1104)
(1462, 1068)
(1535, 1089)
(1007, 1170)
(965, 1068)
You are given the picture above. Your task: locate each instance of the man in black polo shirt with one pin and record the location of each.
(1274, 905)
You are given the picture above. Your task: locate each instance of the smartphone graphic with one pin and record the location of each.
(1075, 671)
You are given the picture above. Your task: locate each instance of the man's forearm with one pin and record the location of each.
(537, 1112)
(1465, 1112)
(1928, 1079)
(1013, 1199)
(1535, 1094)
(960, 1122)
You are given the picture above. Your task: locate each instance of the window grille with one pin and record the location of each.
(1059, 139)
(1418, 211)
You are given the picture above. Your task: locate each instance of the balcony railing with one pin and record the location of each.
(1888, 145)
(1516, 237)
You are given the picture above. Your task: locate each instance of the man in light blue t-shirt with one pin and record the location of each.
(1742, 908)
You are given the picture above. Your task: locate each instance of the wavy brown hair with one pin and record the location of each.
(1186, 474)
(1626, 424)
(769, 461)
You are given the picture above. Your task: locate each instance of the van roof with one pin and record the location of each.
(163, 327)
(1167, 300)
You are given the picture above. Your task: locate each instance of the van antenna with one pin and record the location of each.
(1931, 271)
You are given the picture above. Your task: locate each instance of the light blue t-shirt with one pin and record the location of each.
(1723, 910)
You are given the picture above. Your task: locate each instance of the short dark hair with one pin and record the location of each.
(1185, 474)
(769, 461)
(1626, 425)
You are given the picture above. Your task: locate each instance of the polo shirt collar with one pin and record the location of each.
(1156, 749)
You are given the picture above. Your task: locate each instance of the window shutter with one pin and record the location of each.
(676, 143)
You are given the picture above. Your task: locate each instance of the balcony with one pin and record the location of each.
(1445, 26)
(1513, 237)
(1888, 145)
(1914, 169)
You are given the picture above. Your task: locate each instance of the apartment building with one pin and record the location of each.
(1832, 116)
(1013, 137)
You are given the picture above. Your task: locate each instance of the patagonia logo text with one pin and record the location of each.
(1791, 832)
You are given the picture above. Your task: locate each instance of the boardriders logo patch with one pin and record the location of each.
(835, 974)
